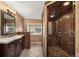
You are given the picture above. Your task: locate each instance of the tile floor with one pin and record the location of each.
(35, 51)
(57, 52)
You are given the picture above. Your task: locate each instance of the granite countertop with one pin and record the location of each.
(6, 40)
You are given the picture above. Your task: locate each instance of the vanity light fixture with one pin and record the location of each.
(14, 13)
(66, 3)
(11, 12)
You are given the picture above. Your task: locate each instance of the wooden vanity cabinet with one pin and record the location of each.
(10, 50)
(18, 47)
(26, 39)
(13, 49)
(7, 50)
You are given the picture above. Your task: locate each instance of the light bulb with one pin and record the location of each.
(52, 16)
(66, 3)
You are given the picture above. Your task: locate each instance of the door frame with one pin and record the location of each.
(46, 19)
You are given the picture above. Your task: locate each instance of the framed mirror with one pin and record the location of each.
(8, 23)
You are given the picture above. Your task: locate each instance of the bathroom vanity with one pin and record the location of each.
(11, 46)
(11, 42)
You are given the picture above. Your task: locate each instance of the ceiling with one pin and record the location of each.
(28, 9)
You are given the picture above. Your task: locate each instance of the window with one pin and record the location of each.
(34, 29)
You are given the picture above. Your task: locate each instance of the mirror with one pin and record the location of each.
(8, 23)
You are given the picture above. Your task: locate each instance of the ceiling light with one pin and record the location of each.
(52, 16)
(66, 3)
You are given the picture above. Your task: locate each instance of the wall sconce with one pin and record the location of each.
(10, 12)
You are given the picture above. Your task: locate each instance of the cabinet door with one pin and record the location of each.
(11, 50)
(18, 48)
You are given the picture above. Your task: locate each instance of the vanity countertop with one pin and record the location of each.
(6, 40)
